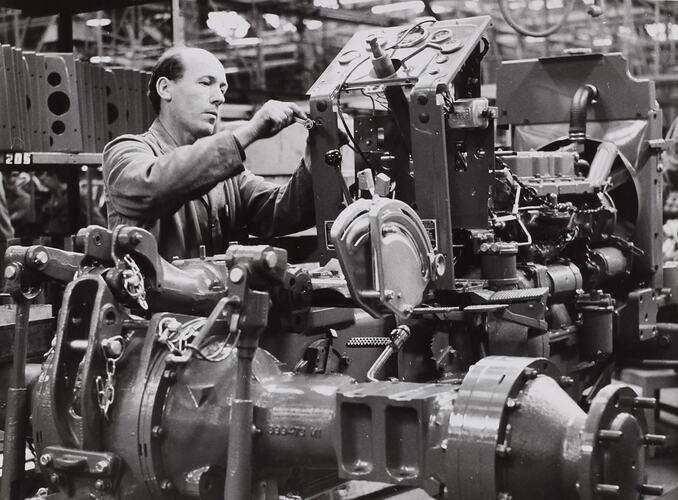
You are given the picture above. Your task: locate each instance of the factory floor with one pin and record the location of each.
(662, 469)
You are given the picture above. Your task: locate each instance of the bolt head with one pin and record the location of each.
(439, 265)
(512, 404)
(41, 258)
(270, 259)
(102, 466)
(54, 478)
(236, 275)
(101, 485)
(112, 347)
(169, 375)
(10, 272)
(166, 485)
(45, 459)
(157, 431)
(595, 11)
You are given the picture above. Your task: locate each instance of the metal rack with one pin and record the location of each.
(70, 163)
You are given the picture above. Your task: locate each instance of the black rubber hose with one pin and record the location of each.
(580, 102)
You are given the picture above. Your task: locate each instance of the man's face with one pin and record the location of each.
(198, 94)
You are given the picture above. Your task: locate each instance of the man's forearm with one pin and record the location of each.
(144, 185)
(245, 134)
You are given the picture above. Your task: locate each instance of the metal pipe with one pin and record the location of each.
(580, 102)
(17, 403)
(398, 338)
(239, 466)
(239, 458)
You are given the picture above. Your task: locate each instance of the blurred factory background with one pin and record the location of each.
(278, 48)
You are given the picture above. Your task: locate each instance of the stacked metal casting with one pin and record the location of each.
(53, 102)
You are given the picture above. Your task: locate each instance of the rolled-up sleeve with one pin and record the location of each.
(146, 186)
(272, 209)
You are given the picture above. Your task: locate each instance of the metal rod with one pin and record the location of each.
(178, 24)
(65, 31)
(398, 337)
(241, 425)
(17, 405)
(90, 194)
(239, 466)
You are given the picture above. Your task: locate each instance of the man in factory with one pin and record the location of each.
(185, 183)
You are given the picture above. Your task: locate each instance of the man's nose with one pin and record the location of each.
(217, 97)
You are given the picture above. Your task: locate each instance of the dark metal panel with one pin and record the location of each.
(470, 187)
(541, 90)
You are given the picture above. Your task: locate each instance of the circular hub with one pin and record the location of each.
(612, 446)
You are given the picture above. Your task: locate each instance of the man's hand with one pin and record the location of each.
(270, 119)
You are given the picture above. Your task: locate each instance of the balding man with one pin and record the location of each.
(185, 183)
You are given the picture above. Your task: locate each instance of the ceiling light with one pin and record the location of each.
(98, 22)
(100, 59)
(228, 25)
(416, 5)
(272, 19)
(532, 39)
(313, 24)
(242, 42)
(351, 2)
(602, 42)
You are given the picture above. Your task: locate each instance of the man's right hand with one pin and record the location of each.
(270, 119)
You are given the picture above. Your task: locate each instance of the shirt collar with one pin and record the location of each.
(167, 142)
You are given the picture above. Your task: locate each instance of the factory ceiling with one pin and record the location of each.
(290, 42)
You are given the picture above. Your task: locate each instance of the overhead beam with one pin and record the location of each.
(309, 11)
(38, 8)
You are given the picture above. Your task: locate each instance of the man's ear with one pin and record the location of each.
(164, 88)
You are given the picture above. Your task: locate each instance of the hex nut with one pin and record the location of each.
(102, 466)
(434, 487)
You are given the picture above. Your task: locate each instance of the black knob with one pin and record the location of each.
(333, 158)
